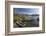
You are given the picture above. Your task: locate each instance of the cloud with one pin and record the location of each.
(26, 10)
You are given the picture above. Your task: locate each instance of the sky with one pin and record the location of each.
(26, 10)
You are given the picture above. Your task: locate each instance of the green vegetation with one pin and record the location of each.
(24, 19)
